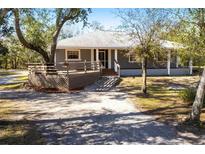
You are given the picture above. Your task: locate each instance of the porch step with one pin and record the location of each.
(104, 83)
(108, 72)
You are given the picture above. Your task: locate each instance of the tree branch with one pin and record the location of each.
(24, 41)
(4, 12)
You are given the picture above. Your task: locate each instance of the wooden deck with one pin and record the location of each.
(48, 77)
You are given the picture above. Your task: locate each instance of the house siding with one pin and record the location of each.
(85, 54)
(123, 60)
(60, 57)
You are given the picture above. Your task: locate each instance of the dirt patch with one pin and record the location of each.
(16, 132)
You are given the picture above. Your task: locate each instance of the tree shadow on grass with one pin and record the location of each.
(19, 133)
(93, 128)
(128, 128)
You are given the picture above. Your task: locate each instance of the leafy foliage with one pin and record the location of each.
(188, 94)
(17, 56)
(5, 27)
(144, 27)
(190, 31)
(39, 29)
(3, 50)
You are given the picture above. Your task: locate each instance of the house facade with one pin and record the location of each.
(112, 50)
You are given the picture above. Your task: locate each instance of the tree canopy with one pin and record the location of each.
(144, 27)
(38, 29)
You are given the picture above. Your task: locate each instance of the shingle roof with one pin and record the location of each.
(102, 39)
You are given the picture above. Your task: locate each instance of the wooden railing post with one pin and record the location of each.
(85, 68)
(93, 65)
(67, 73)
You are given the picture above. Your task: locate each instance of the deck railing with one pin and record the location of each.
(82, 66)
(69, 67)
(117, 67)
(41, 68)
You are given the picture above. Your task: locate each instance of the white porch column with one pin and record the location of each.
(66, 56)
(92, 55)
(177, 61)
(168, 61)
(115, 56)
(109, 58)
(190, 66)
(97, 54)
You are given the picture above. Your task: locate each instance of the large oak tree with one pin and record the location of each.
(39, 29)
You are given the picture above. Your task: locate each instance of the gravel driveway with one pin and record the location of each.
(90, 118)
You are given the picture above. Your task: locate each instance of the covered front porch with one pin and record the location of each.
(122, 63)
(106, 57)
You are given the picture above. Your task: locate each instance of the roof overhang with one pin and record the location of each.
(106, 40)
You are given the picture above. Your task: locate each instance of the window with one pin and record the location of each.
(159, 57)
(132, 58)
(73, 55)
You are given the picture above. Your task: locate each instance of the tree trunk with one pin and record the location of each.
(144, 75)
(198, 102)
(54, 41)
(21, 38)
(6, 64)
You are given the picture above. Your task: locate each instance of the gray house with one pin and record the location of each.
(112, 50)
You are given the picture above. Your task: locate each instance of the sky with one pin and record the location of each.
(106, 17)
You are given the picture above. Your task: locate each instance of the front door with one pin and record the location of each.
(102, 58)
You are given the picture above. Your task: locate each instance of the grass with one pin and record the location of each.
(16, 132)
(5, 73)
(11, 86)
(17, 83)
(11, 131)
(162, 101)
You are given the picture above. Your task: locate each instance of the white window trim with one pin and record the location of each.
(156, 58)
(130, 60)
(66, 55)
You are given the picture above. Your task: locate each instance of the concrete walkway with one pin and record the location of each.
(90, 118)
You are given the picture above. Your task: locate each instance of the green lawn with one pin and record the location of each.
(162, 101)
(18, 82)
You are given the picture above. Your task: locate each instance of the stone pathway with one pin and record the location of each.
(91, 118)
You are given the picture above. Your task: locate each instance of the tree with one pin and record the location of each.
(191, 32)
(144, 26)
(197, 23)
(38, 29)
(5, 28)
(95, 25)
(18, 56)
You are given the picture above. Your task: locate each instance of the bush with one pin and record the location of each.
(188, 95)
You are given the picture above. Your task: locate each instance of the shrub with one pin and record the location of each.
(188, 94)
